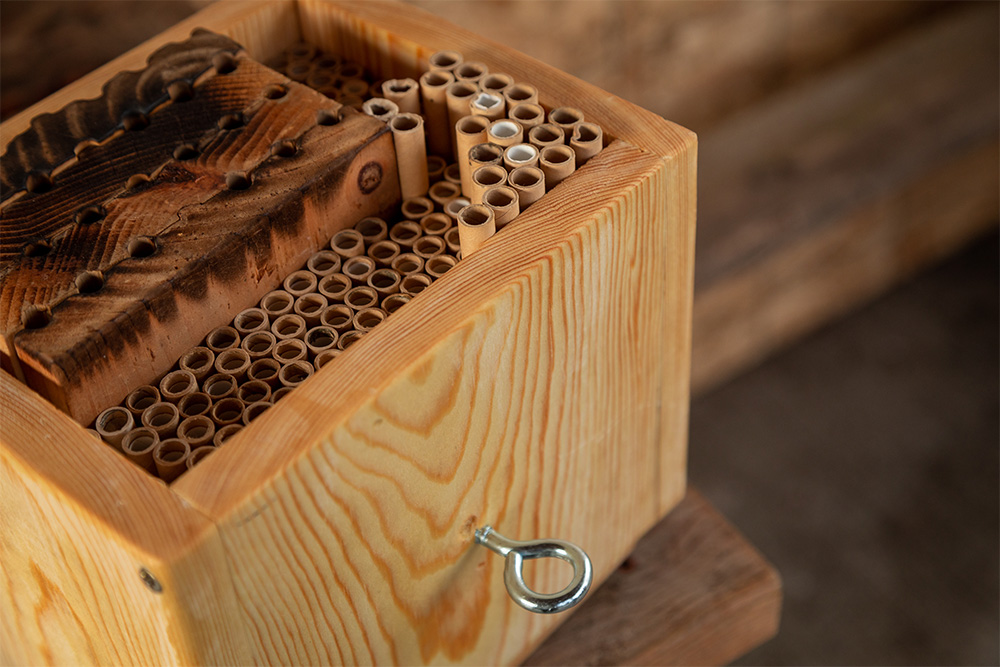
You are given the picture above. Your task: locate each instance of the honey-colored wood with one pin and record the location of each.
(540, 386)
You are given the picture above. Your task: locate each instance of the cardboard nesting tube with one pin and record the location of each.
(516, 93)
(411, 154)
(566, 118)
(161, 417)
(490, 105)
(361, 297)
(469, 131)
(255, 410)
(484, 178)
(138, 446)
(435, 224)
(176, 384)
(198, 454)
(220, 386)
(434, 95)
(259, 344)
(404, 92)
(476, 223)
(372, 230)
(471, 71)
(444, 60)
(394, 302)
(453, 208)
(196, 431)
(325, 357)
(483, 155)
(556, 162)
(309, 306)
(439, 264)
(288, 326)
(545, 135)
(324, 262)
(295, 373)
(280, 394)
(505, 132)
(435, 168)
(348, 339)
(380, 108)
(527, 115)
(528, 183)
(347, 243)
(453, 241)
(369, 318)
(265, 370)
(170, 458)
(114, 423)
(496, 83)
(408, 263)
(142, 397)
(225, 433)
(520, 155)
(458, 95)
(298, 283)
(221, 339)
(503, 200)
(334, 286)
(199, 361)
(415, 208)
(338, 318)
(587, 141)
(429, 246)
(227, 411)
(453, 174)
(405, 233)
(234, 362)
(415, 283)
(385, 282)
(319, 339)
(277, 303)
(194, 404)
(443, 192)
(253, 391)
(288, 351)
(383, 253)
(250, 320)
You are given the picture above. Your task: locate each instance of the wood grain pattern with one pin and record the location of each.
(693, 592)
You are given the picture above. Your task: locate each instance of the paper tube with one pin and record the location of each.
(385, 282)
(367, 319)
(289, 326)
(443, 192)
(394, 302)
(428, 246)
(334, 286)
(138, 446)
(404, 92)
(453, 241)
(438, 265)
(219, 386)
(408, 263)
(476, 223)
(383, 253)
(458, 95)
(469, 131)
(414, 284)
(265, 370)
(309, 306)
(405, 233)
(259, 344)
(227, 411)
(295, 373)
(287, 351)
(444, 60)
(114, 423)
(503, 201)
(196, 431)
(361, 297)
(453, 174)
(485, 178)
(520, 155)
(233, 362)
(198, 454)
(372, 230)
(253, 391)
(528, 115)
(161, 417)
(338, 318)
(455, 206)
(470, 71)
(250, 320)
(298, 283)
(435, 168)
(566, 118)
(434, 95)
(170, 458)
(281, 393)
(225, 433)
(199, 361)
(528, 183)
(325, 262)
(505, 132)
(411, 154)
(176, 384)
(277, 303)
(516, 93)
(586, 142)
(416, 208)
(496, 83)
(255, 410)
(325, 357)
(380, 108)
(221, 339)
(556, 162)
(488, 105)
(348, 339)
(545, 135)
(142, 397)
(347, 243)
(194, 404)
(319, 339)
(435, 224)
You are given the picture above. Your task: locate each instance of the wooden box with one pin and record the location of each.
(541, 387)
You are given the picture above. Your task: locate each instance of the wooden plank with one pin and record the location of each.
(693, 592)
(825, 196)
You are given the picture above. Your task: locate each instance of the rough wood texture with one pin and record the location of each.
(693, 592)
(893, 165)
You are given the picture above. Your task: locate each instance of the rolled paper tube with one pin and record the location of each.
(233, 362)
(394, 302)
(528, 115)
(142, 397)
(469, 131)
(528, 183)
(380, 108)
(337, 318)
(437, 266)
(277, 303)
(348, 243)
(444, 60)
(416, 207)
(348, 339)
(265, 370)
(556, 162)
(566, 119)
(175, 385)
(219, 386)
(114, 423)
(443, 192)
(288, 351)
(198, 454)
(453, 174)
(520, 155)
(163, 418)
(546, 135)
(320, 78)
(458, 95)
(325, 357)
(505, 132)
(476, 223)
(358, 269)
(227, 411)
(221, 339)
(518, 93)
(470, 71)
(330, 91)
(255, 410)
(260, 343)
(503, 200)
(384, 281)
(298, 70)
(405, 233)
(496, 83)
(413, 284)
(408, 263)
(435, 168)
(253, 391)
(95, 433)
(359, 298)
(225, 433)
(434, 95)
(452, 240)
(383, 253)
(488, 105)
(435, 224)
(170, 458)
(196, 431)
(328, 61)
(351, 70)
(295, 373)
(485, 178)
(194, 404)
(429, 246)
(298, 283)
(288, 326)
(404, 92)
(335, 286)
(586, 142)
(280, 394)
(354, 88)
(411, 154)
(301, 51)
(372, 230)
(309, 306)
(319, 339)
(250, 320)
(455, 206)
(138, 446)
(325, 262)
(367, 319)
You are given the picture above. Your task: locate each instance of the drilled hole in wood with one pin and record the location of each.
(238, 180)
(89, 282)
(37, 248)
(141, 246)
(134, 121)
(88, 215)
(231, 121)
(326, 117)
(285, 148)
(180, 91)
(36, 317)
(136, 180)
(38, 182)
(185, 152)
(275, 91)
(223, 62)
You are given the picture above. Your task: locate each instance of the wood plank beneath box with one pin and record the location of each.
(694, 592)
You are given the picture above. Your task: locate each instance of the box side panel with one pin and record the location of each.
(525, 391)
